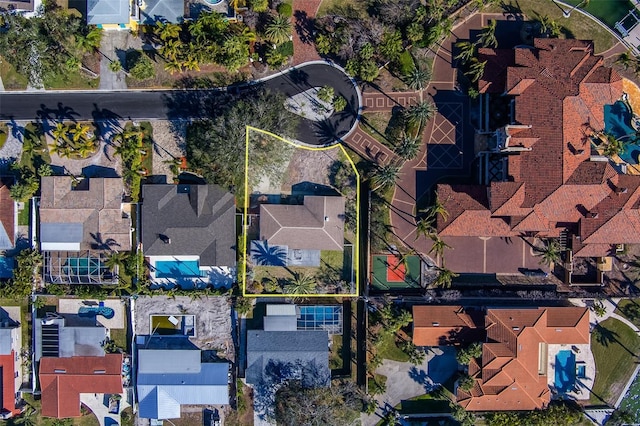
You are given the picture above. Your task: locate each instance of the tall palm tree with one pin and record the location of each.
(467, 51)
(550, 252)
(408, 147)
(613, 146)
(476, 69)
(445, 278)
(418, 78)
(438, 246)
(301, 284)
(171, 48)
(60, 132)
(424, 227)
(85, 147)
(421, 112)
(278, 29)
(384, 176)
(115, 259)
(487, 37)
(437, 208)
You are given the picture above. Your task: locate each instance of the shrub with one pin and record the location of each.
(339, 103)
(405, 62)
(325, 93)
(285, 49)
(140, 66)
(4, 134)
(259, 5)
(285, 9)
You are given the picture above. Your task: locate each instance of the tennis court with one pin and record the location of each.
(391, 272)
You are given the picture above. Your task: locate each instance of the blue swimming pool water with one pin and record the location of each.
(319, 317)
(6, 267)
(177, 268)
(617, 121)
(565, 371)
(581, 371)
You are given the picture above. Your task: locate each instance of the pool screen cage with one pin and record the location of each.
(84, 267)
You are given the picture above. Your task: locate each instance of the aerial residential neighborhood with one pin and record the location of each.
(319, 212)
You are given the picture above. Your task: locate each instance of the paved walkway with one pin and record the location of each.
(379, 101)
(610, 306)
(112, 42)
(304, 12)
(369, 147)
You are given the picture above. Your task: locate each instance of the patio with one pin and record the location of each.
(583, 357)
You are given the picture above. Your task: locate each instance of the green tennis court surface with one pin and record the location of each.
(389, 272)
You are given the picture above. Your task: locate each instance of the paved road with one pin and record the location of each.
(184, 104)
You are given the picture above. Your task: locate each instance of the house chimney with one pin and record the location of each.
(592, 215)
(165, 239)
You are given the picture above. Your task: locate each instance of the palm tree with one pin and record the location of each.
(278, 30)
(115, 259)
(173, 66)
(438, 208)
(301, 284)
(62, 150)
(421, 112)
(625, 60)
(60, 132)
(445, 278)
(91, 41)
(424, 227)
(549, 27)
(385, 176)
(476, 69)
(86, 147)
(438, 246)
(408, 147)
(171, 48)
(80, 132)
(190, 63)
(550, 253)
(467, 51)
(613, 146)
(487, 37)
(115, 66)
(167, 30)
(417, 78)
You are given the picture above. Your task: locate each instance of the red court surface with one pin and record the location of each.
(395, 269)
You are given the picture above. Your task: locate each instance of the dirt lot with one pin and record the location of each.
(213, 319)
(309, 166)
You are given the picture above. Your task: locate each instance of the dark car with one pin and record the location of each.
(214, 420)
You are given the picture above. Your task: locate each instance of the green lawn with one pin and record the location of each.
(72, 80)
(147, 145)
(119, 336)
(577, 26)
(335, 356)
(629, 309)
(10, 78)
(375, 124)
(608, 11)
(389, 350)
(24, 216)
(615, 360)
(4, 134)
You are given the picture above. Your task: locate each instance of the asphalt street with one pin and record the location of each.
(185, 104)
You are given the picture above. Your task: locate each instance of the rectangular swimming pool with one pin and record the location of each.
(321, 317)
(565, 371)
(177, 268)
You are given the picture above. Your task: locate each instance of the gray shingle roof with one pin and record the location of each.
(199, 220)
(162, 10)
(287, 347)
(107, 12)
(318, 224)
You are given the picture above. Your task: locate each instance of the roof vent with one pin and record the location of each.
(435, 324)
(60, 370)
(620, 190)
(165, 239)
(326, 218)
(515, 328)
(99, 371)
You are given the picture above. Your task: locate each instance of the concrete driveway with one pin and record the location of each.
(405, 380)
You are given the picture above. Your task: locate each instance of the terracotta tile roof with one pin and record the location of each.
(62, 380)
(8, 383)
(560, 89)
(7, 211)
(508, 378)
(440, 325)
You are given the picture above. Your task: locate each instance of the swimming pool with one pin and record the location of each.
(617, 122)
(177, 268)
(6, 267)
(321, 318)
(565, 371)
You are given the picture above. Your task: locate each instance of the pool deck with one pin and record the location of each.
(71, 306)
(585, 357)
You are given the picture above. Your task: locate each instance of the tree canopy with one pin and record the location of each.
(216, 147)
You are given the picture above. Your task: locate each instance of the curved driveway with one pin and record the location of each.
(187, 104)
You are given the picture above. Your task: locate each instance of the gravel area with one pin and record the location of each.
(169, 143)
(213, 319)
(12, 148)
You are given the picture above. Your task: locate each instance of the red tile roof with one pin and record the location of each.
(508, 377)
(441, 325)
(62, 380)
(8, 387)
(560, 89)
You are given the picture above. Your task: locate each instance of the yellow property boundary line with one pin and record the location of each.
(356, 251)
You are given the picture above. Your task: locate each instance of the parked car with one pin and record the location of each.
(214, 420)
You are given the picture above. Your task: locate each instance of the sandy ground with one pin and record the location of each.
(169, 139)
(309, 166)
(213, 319)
